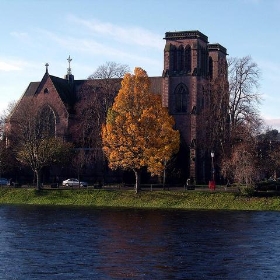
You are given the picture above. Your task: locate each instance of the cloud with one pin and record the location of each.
(9, 66)
(92, 47)
(20, 35)
(126, 35)
(132, 45)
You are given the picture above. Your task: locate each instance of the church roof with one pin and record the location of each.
(32, 88)
(64, 89)
(69, 91)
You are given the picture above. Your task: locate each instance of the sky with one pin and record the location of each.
(93, 32)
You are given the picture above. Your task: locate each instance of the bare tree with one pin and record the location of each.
(215, 112)
(110, 70)
(242, 166)
(244, 75)
(109, 75)
(269, 153)
(33, 138)
(4, 115)
(241, 161)
(7, 159)
(232, 118)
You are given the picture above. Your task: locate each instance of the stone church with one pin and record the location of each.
(190, 62)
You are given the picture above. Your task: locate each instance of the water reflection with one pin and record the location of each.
(72, 243)
(134, 242)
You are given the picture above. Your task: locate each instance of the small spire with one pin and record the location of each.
(69, 68)
(47, 65)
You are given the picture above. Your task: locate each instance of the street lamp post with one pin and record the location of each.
(212, 165)
(212, 184)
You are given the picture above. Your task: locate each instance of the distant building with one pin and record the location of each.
(190, 63)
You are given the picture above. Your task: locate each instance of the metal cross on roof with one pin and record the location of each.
(47, 65)
(69, 68)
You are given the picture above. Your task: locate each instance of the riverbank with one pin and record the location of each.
(161, 199)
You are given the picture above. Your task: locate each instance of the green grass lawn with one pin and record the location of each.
(162, 199)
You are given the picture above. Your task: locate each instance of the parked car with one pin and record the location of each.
(4, 182)
(72, 182)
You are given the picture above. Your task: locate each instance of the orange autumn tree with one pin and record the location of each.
(139, 131)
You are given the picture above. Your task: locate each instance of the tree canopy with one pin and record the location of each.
(139, 131)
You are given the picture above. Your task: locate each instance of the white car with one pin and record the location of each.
(72, 182)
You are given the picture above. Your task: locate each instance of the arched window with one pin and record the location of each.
(202, 105)
(210, 67)
(198, 56)
(188, 59)
(181, 98)
(173, 58)
(180, 53)
(47, 122)
(203, 61)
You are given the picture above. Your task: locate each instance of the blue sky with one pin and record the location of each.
(131, 32)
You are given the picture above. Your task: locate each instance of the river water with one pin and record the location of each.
(39, 242)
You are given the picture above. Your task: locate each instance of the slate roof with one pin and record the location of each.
(31, 89)
(65, 90)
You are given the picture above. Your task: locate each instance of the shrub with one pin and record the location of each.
(246, 190)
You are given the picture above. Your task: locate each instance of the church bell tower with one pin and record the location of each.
(186, 76)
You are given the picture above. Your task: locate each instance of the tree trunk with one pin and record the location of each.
(164, 175)
(38, 179)
(137, 180)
